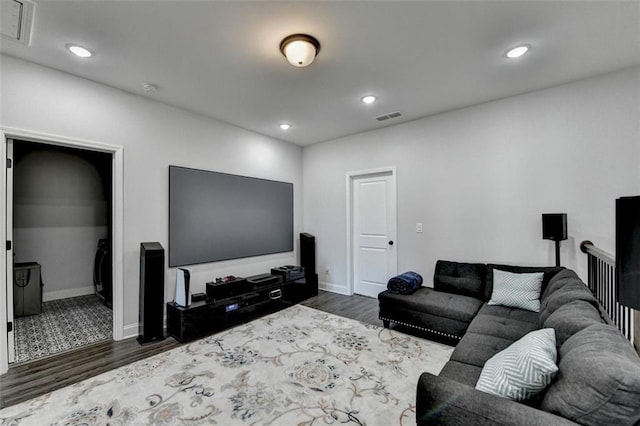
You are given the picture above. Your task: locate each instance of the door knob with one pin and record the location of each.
(390, 243)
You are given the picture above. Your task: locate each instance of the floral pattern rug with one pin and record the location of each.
(299, 366)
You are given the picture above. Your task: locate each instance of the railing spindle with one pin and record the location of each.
(601, 277)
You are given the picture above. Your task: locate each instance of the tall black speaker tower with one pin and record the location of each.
(628, 251)
(151, 310)
(308, 261)
(308, 253)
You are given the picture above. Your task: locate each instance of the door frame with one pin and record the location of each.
(351, 178)
(117, 209)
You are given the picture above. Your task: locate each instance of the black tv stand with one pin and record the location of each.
(235, 302)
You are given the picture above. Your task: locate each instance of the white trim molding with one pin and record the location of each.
(117, 221)
(334, 288)
(65, 294)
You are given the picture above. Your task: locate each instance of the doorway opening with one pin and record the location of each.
(64, 254)
(62, 286)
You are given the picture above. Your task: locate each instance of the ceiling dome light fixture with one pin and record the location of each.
(300, 49)
(285, 126)
(518, 51)
(79, 50)
(369, 99)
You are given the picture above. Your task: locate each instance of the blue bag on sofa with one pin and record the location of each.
(405, 283)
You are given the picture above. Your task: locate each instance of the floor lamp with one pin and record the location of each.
(554, 227)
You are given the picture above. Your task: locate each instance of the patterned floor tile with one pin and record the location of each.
(63, 325)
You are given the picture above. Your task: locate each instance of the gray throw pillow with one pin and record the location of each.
(516, 290)
(523, 369)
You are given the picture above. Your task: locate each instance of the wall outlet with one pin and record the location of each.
(418, 228)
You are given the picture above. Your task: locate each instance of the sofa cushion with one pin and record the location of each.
(568, 319)
(428, 300)
(509, 313)
(558, 280)
(569, 292)
(498, 326)
(516, 290)
(466, 279)
(598, 380)
(461, 372)
(548, 271)
(522, 370)
(476, 349)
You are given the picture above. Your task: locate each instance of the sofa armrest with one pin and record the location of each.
(441, 401)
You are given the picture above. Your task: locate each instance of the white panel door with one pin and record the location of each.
(9, 254)
(374, 233)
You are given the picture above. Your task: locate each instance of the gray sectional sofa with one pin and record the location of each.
(598, 377)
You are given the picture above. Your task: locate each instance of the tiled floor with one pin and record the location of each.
(63, 325)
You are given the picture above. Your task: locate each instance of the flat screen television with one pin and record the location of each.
(218, 216)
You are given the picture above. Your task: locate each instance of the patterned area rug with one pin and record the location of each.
(299, 366)
(63, 325)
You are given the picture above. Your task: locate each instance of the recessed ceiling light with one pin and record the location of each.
(369, 99)
(517, 51)
(79, 51)
(285, 126)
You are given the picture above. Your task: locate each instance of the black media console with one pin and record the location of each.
(240, 300)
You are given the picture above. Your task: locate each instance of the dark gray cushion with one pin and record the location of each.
(558, 280)
(461, 372)
(466, 279)
(569, 292)
(568, 319)
(428, 300)
(497, 326)
(476, 349)
(549, 272)
(509, 313)
(442, 401)
(599, 379)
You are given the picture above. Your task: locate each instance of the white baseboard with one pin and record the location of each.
(334, 288)
(65, 294)
(130, 330)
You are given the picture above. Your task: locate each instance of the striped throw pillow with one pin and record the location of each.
(517, 290)
(523, 369)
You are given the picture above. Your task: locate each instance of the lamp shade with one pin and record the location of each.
(300, 49)
(554, 226)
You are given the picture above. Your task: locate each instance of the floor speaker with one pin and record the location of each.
(308, 254)
(151, 310)
(628, 251)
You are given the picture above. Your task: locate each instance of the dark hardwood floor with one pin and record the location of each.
(29, 380)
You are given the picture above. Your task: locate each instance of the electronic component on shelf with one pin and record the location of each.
(264, 279)
(226, 279)
(198, 297)
(289, 272)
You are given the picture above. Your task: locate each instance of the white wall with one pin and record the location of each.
(154, 136)
(480, 177)
(60, 212)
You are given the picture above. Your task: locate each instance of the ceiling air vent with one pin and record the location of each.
(388, 116)
(17, 20)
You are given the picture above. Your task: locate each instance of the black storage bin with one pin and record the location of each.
(27, 289)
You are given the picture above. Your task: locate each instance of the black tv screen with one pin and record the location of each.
(217, 216)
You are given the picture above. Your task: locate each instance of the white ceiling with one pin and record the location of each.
(222, 59)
